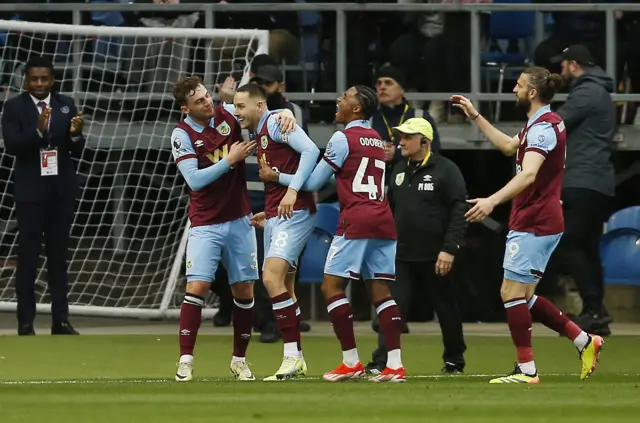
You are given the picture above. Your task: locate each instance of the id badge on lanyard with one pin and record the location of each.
(48, 162)
(49, 156)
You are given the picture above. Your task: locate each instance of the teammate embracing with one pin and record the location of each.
(208, 149)
(536, 222)
(290, 217)
(365, 242)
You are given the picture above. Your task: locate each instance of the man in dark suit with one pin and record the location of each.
(43, 130)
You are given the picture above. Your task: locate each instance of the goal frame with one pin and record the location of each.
(176, 272)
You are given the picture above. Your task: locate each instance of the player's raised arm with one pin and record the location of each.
(503, 142)
(541, 139)
(187, 161)
(334, 156)
(300, 142)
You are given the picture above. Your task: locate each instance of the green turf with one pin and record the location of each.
(129, 379)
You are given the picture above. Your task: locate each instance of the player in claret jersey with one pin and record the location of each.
(208, 149)
(536, 223)
(365, 242)
(290, 217)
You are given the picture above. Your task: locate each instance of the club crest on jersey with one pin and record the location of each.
(399, 178)
(224, 129)
(264, 142)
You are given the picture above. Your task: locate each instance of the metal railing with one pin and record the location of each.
(340, 9)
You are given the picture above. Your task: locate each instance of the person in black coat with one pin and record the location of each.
(43, 130)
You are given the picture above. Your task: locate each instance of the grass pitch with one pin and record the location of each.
(115, 378)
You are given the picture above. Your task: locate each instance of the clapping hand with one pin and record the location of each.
(43, 120)
(77, 122)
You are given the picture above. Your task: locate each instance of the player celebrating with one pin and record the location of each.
(290, 217)
(365, 242)
(209, 153)
(536, 222)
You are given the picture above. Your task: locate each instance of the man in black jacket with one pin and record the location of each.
(588, 186)
(43, 130)
(427, 195)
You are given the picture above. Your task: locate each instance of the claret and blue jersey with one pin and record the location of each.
(219, 210)
(365, 243)
(294, 153)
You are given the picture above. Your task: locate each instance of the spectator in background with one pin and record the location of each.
(394, 110)
(588, 187)
(43, 130)
(569, 28)
(427, 195)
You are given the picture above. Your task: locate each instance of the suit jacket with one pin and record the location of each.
(21, 139)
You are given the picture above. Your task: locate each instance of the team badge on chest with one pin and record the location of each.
(264, 142)
(224, 129)
(399, 178)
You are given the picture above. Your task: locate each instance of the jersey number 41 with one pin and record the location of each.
(375, 190)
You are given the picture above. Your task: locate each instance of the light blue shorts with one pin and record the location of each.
(526, 255)
(369, 258)
(285, 238)
(233, 243)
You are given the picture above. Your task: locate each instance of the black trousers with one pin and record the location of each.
(578, 254)
(53, 220)
(441, 293)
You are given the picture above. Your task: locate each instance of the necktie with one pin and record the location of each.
(43, 107)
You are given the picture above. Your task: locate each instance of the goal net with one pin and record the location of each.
(129, 232)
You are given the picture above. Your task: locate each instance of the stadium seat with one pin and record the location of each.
(314, 255)
(620, 254)
(327, 217)
(510, 26)
(628, 218)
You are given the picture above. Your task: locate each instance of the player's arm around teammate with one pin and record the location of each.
(211, 162)
(290, 217)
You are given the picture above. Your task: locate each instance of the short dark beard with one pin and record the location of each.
(276, 101)
(524, 105)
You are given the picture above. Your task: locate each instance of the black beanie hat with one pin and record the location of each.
(393, 73)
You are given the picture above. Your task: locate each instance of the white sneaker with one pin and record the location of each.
(290, 368)
(241, 371)
(185, 371)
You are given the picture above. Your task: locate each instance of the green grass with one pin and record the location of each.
(129, 379)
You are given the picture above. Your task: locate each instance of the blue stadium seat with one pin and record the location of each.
(518, 26)
(628, 218)
(620, 253)
(315, 254)
(327, 217)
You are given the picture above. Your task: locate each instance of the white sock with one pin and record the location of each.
(394, 359)
(350, 357)
(581, 340)
(238, 359)
(291, 350)
(187, 358)
(528, 368)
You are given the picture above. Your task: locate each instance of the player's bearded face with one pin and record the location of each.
(523, 99)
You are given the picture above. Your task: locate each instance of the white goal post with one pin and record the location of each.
(129, 233)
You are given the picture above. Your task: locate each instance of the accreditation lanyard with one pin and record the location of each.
(386, 123)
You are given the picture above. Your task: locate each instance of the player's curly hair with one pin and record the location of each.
(546, 83)
(367, 99)
(185, 87)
